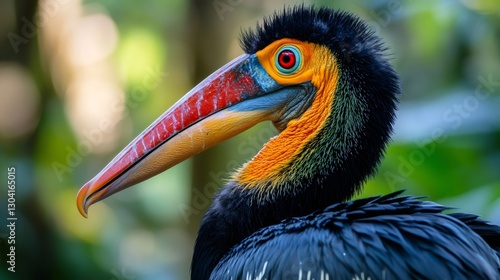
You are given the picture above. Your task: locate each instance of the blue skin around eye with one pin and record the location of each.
(269, 95)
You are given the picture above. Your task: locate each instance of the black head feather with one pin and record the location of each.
(346, 35)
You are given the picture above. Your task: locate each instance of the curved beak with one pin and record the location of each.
(226, 103)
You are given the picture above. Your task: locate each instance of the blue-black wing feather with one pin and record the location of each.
(388, 237)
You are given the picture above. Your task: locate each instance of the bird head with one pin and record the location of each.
(320, 76)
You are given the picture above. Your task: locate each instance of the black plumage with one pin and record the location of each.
(303, 225)
(389, 237)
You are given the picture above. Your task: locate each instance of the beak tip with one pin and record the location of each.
(83, 211)
(82, 201)
(85, 215)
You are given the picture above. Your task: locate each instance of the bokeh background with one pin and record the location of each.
(80, 79)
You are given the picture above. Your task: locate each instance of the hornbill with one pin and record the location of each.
(322, 77)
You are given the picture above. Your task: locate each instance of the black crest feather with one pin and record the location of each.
(345, 34)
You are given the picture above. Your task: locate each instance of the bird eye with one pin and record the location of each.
(288, 60)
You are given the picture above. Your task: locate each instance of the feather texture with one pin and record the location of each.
(389, 237)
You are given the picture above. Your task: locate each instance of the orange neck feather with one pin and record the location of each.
(268, 167)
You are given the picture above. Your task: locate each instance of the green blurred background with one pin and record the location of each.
(80, 79)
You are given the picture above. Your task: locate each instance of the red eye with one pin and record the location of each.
(286, 59)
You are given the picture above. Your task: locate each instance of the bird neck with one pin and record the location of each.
(286, 156)
(329, 150)
(235, 214)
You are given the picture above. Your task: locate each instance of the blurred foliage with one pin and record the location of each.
(446, 141)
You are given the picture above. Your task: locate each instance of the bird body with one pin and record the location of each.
(389, 237)
(324, 80)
